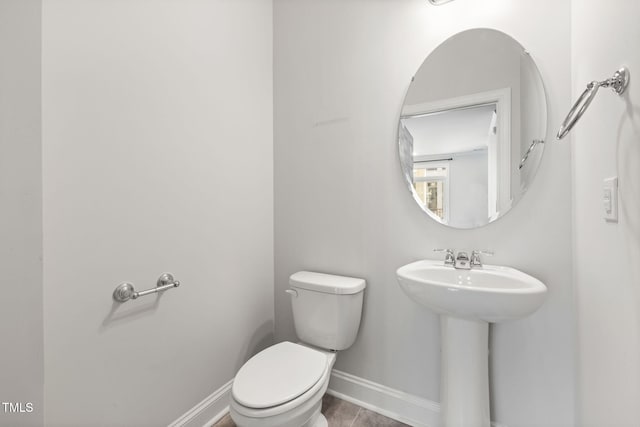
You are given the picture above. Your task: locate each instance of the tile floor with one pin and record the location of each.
(340, 413)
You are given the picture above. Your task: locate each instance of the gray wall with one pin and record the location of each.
(607, 271)
(150, 166)
(21, 353)
(341, 72)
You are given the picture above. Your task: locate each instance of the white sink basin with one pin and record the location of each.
(490, 293)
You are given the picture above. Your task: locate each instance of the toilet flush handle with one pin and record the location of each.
(292, 292)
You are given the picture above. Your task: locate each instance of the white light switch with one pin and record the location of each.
(610, 199)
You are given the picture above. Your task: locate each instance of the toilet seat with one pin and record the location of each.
(298, 403)
(278, 375)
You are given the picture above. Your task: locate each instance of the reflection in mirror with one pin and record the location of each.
(471, 143)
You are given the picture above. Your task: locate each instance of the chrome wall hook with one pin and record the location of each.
(125, 291)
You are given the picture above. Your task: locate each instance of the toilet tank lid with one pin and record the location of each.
(326, 283)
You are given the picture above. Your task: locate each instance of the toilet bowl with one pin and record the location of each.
(283, 385)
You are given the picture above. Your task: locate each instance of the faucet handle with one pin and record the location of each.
(483, 252)
(444, 250)
(449, 258)
(475, 257)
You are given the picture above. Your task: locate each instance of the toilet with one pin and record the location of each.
(283, 385)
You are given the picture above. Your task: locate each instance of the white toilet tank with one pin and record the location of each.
(326, 308)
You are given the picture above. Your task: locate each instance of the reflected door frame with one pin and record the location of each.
(500, 154)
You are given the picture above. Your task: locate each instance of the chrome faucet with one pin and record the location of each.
(461, 260)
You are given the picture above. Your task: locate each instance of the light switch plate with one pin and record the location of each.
(610, 199)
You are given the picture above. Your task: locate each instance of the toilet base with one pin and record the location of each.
(308, 416)
(316, 419)
(321, 421)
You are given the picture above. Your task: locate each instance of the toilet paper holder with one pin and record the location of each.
(125, 291)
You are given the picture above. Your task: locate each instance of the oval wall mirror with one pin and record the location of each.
(472, 128)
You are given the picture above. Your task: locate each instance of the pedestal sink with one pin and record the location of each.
(467, 301)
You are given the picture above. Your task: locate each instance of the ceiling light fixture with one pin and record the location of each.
(439, 2)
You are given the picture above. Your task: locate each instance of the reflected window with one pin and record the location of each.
(431, 182)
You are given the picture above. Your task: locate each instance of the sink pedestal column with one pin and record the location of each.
(464, 382)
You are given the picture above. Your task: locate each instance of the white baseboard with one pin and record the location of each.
(398, 405)
(209, 411)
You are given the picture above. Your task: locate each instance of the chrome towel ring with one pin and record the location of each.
(618, 83)
(529, 150)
